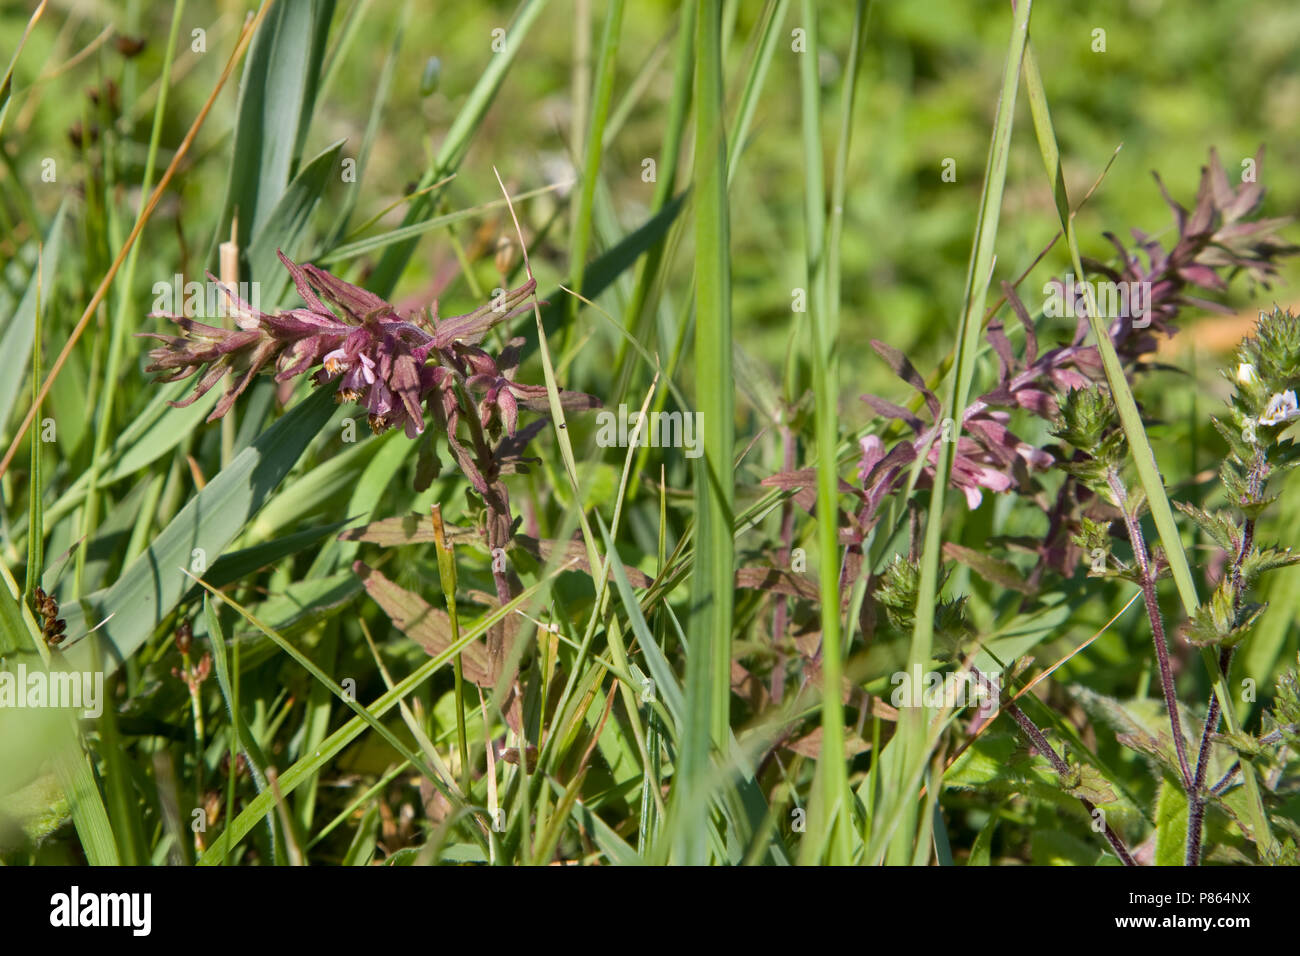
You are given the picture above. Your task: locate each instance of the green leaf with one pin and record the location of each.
(277, 94)
(286, 223)
(1266, 559)
(1219, 621)
(997, 761)
(1002, 573)
(708, 662)
(1171, 825)
(1141, 725)
(151, 587)
(1085, 782)
(1219, 526)
(19, 330)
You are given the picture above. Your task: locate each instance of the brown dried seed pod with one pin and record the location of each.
(129, 46)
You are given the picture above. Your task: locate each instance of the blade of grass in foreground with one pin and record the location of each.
(71, 763)
(1143, 457)
(311, 764)
(708, 663)
(913, 720)
(640, 307)
(829, 805)
(17, 338)
(150, 587)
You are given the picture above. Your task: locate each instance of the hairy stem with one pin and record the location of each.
(1199, 799)
(1058, 763)
(498, 533)
(1148, 585)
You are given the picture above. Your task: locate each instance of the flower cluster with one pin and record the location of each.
(391, 365)
(1216, 240)
(1267, 373)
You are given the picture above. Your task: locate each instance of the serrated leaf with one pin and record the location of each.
(1246, 745)
(997, 759)
(1219, 526)
(1266, 559)
(1086, 782)
(1141, 725)
(1219, 621)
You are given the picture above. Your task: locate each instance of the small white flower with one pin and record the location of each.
(1246, 374)
(1281, 408)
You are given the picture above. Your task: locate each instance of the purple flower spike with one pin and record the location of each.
(387, 363)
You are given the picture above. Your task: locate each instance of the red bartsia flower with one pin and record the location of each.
(384, 361)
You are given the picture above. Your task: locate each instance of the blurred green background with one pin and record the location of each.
(1174, 80)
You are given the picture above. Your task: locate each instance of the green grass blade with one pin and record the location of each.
(148, 590)
(1144, 460)
(383, 280)
(20, 330)
(708, 664)
(284, 228)
(913, 720)
(277, 93)
(603, 94)
(829, 806)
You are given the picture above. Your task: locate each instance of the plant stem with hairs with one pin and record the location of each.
(1059, 764)
(1198, 798)
(1147, 582)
